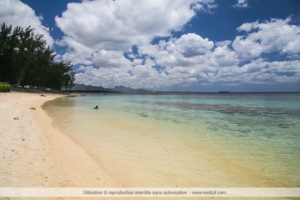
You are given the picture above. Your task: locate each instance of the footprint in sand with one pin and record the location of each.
(65, 183)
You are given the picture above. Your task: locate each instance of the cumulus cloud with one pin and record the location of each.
(120, 24)
(223, 56)
(19, 14)
(136, 77)
(76, 52)
(191, 50)
(241, 4)
(98, 35)
(264, 72)
(192, 59)
(117, 25)
(276, 35)
(191, 45)
(110, 59)
(145, 76)
(175, 67)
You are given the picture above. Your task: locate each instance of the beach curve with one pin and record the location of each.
(34, 153)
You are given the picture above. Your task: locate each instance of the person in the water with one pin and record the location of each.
(96, 107)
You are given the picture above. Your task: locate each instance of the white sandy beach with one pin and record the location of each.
(37, 155)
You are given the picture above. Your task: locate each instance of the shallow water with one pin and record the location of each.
(187, 140)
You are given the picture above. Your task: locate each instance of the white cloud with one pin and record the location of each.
(77, 53)
(99, 33)
(117, 25)
(223, 56)
(241, 4)
(217, 64)
(276, 35)
(110, 59)
(145, 76)
(191, 50)
(19, 14)
(177, 68)
(191, 45)
(136, 77)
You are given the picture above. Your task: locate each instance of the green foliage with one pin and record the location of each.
(25, 59)
(4, 87)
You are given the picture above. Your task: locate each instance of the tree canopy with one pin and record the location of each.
(25, 59)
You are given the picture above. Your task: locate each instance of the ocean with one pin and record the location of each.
(187, 140)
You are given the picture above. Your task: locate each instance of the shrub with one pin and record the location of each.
(5, 87)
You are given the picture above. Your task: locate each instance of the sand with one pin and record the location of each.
(34, 154)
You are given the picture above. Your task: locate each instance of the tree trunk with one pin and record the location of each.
(20, 77)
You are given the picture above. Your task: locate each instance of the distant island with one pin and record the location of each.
(126, 90)
(99, 89)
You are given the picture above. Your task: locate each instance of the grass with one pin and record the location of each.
(5, 87)
(37, 90)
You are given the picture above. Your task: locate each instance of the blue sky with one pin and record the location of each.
(193, 45)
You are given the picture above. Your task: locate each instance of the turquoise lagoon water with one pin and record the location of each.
(260, 131)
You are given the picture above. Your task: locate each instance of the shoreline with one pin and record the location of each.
(34, 153)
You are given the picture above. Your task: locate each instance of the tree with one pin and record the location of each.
(25, 59)
(8, 43)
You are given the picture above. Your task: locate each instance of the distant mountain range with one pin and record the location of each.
(128, 90)
(98, 89)
(82, 87)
